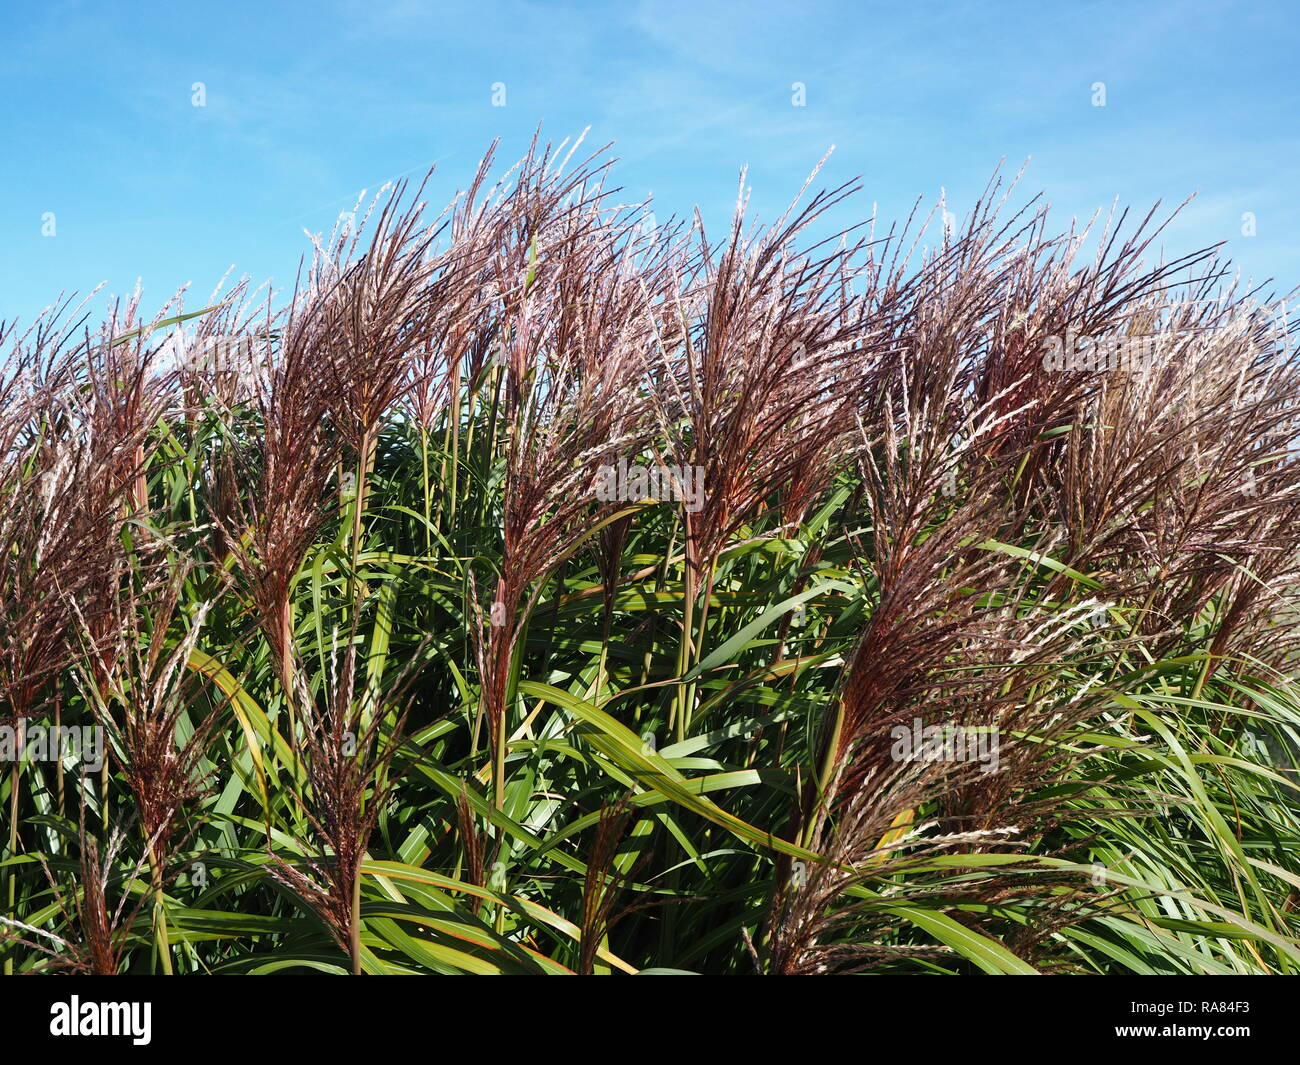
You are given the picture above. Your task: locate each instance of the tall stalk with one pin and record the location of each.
(11, 882)
(162, 944)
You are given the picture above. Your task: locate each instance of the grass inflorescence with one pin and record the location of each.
(538, 589)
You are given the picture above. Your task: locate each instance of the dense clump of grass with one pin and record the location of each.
(388, 685)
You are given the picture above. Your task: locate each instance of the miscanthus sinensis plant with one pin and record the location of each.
(537, 589)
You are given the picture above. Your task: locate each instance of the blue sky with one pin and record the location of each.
(307, 104)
